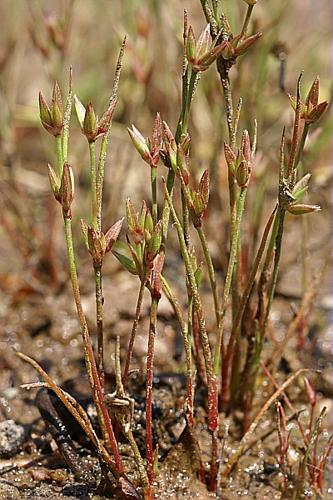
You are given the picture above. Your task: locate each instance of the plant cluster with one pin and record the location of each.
(227, 361)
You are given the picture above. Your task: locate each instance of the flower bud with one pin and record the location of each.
(190, 46)
(52, 116)
(230, 157)
(90, 123)
(104, 122)
(207, 59)
(311, 111)
(135, 231)
(149, 224)
(156, 275)
(300, 208)
(204, 188)
(228, 51)
(54, 182)
(80, 111)
(96, 245)
(66, 192)
(242, 174)
(313, 95)
(142, 215)
(156, 141)
(311, 393)
(44, 112)
(57, 112)
(140, 143)
(112, 234)
(204, 44)
(246, 44)
(154, 243)
(246, 147)
(202, 53)
(317, 112)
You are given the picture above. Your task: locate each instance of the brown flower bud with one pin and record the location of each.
(66, 192)
(52, 117)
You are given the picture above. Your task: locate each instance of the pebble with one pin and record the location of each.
(12, 437)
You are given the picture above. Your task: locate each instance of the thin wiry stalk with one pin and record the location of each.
(59, 155)
(186, 332)
(211, 378)
(99, 321)
(247, 292)
(93, 179)
(153, 181)
(211, 271)
(126, 426)
(105, 140)
(133, 332)
(97, 183)
(228, 279)
(149, 389)
(94, 380)
(246, 21)
(104, 419)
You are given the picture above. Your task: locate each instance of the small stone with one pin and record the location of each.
(12, 437)
(76, 490)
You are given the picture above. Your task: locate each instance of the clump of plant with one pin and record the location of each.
(178, 202)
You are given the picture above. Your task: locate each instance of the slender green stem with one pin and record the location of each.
(105, 140)
(149, 389)
(256, 340)
(216, 9)
(229, 275)
(105, 422)
(100, 180)
(174, 303)
(246, 22)
(60, 158)
(209, 16)
(153, 180)
(241, 309)
(188, 91)
(223, 68)
(93, 174)
(186, 220)
(186, 332)
(211, 272)
(133, 331)
(95, 382)
(304, 220)
(99, 322)
(125, 419)
(211, 378)
(97, 269)
(138, 458)
(302, 143)
(280, 216)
